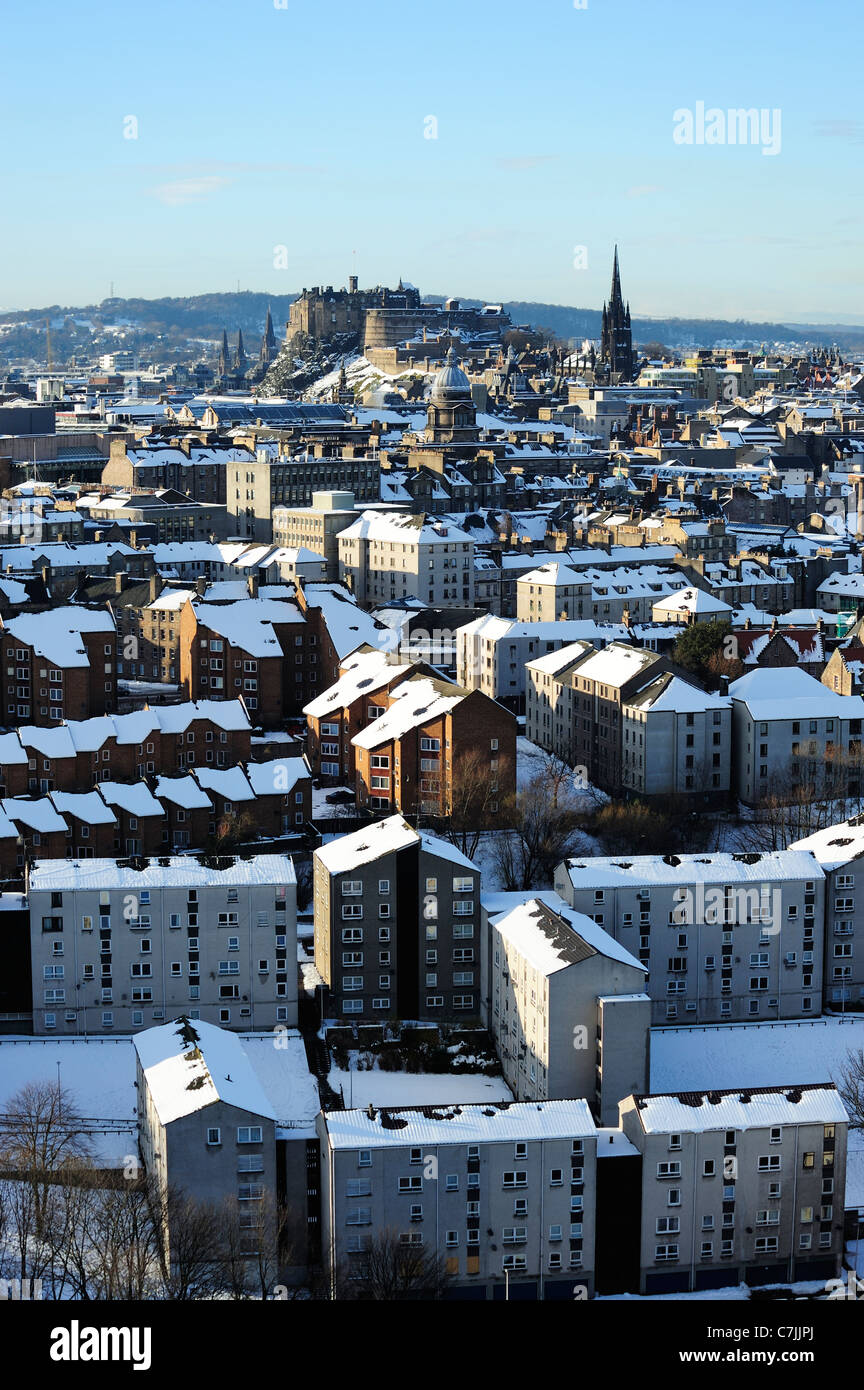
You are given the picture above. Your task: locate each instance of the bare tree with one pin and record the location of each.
(42, 1131)
(189, 1244)
(392, 1270)
(474, 803)
(546, 818)
(850, 1086)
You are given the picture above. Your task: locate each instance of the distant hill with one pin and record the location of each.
(205, 316)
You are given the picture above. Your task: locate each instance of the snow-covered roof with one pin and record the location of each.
(174, 871)
(696, 1111)
(670, 692)
(189, 1064)
(790, 693)
(229, 715)
(249, 624)
(87, 807)
(551, 935)
(55, 634)
(230, 783)
(691, 601)
(39, 814)
(634, 871)
(278, 776)
(459, 1124)
(388, 836)
(616, 664)
(405, 528)
(348, 627)
(183, 792)
(836, 844)
(364, 673)
(135, 798)
(414, 702)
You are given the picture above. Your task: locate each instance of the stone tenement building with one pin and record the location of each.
(382, 317)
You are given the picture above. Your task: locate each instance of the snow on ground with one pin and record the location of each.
(734, 1293)
(398, 1088)
(322, 809)
(98, 1073)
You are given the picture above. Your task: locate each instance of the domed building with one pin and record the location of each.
(451, 416)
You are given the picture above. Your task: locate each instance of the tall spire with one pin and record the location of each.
(616, 346)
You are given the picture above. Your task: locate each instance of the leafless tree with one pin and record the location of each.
(475, 803)
(42, 1131)
(390, 1270)
(850, 1085)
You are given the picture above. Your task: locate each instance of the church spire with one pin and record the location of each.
(616, 344)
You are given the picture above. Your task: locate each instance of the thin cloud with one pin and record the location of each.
(181, 191)
(524, 161)
(226, 166)
(853, 131)
(643, 190)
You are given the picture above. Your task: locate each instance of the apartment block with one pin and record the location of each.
(838, 851)
(391, 555)
(58, 664)
(119, 945)
(258, 648)
(410, 758)
(568, 1009)
(397, 924)
(360, 694)
(677, 740)
(741, 1186)
(491, 652)
(316, 527)
(556, 591)
(504, 1194)
(789, 730)
(575, 704)
(726, 937)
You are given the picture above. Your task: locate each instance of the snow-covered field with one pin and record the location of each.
(99, 1074)
(395, 1088)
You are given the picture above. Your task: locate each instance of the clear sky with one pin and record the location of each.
(300, 124)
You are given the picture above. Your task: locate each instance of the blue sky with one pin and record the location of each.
(303, 127)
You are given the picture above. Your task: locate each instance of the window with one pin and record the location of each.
(669, 1170)
(214, 1136)
(249, 1134)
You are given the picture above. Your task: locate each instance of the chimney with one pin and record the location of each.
(118, 581)
(201, 586)
(252, 584)
(155, 586)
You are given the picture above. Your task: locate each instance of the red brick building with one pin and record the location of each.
(407, 758)
(58, 664)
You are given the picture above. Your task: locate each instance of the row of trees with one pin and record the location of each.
(83, 1233)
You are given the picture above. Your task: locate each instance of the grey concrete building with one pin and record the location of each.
(726, 937)
(838, 851)
(568, 1011)
(743, 1185)
(505, 1194)
(397, 924)
(118, 945)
